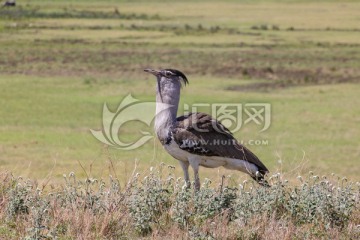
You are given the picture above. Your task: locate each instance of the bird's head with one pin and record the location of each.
(168, 80)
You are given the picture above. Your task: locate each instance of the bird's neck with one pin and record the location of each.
(167, 102)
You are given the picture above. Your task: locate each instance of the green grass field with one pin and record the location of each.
(60, 61)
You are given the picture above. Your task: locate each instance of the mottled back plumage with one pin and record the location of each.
(211, 138)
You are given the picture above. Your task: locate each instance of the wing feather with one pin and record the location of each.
(201, 134)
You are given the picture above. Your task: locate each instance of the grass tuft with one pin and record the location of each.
(154, 204)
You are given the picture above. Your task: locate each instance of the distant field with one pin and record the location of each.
(60, 61)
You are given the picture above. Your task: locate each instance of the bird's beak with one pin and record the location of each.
(152, 71)
(157, 74)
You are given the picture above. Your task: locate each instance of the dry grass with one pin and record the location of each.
(157, 206)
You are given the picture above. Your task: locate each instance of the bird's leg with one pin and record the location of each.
(185, 168)
(195, 166)
(197, 179)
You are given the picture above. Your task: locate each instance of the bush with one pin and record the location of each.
(159, 205)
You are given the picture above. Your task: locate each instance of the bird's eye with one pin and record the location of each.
(168, 73)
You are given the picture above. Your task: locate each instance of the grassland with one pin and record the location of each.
(157, 206)
(60, 61)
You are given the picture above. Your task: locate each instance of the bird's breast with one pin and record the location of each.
(174, 150)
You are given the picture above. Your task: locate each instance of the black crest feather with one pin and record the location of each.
(179, 74)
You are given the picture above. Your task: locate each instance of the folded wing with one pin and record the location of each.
(200, 134)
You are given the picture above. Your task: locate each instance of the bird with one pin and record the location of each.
(197, 139)
(9, 3)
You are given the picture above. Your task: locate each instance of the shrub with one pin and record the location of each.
(159, 205)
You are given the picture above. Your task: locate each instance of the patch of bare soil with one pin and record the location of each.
(283, 78)
(274, 67)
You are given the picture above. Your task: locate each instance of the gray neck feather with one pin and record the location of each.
(167, 101)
